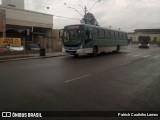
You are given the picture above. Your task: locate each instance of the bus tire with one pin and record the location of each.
(76, 55)
(95, 51)
(118, 49)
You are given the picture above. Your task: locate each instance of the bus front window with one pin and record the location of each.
(72, 36)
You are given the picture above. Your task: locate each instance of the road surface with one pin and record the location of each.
(128, 81)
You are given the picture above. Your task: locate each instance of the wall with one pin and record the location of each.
(152, 35)
(28, 18)
(18, 3)
(132, 36)
(57, 44)
(136, 35)
(2, 23)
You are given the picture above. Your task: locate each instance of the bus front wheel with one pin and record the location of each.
(76, 55)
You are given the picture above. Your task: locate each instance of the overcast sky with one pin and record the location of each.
(125, 14)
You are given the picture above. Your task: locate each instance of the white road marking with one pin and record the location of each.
(125, 63)
(145, 56)
(155, 57)
(128, 54)
(77, 78)
(137, 55)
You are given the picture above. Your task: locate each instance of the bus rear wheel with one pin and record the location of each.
(118, 49)
(95, 51)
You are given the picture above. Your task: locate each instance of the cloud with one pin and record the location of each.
(129, 14)
(125, 14)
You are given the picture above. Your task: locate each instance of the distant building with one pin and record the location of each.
(153, 33)
(32, 27)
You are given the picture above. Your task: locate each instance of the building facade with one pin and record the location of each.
(14, 3)
(30, 26)
(153, 33)
(57, 40)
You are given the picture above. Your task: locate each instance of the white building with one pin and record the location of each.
(153, 33)
(32, 27)
(14, 3)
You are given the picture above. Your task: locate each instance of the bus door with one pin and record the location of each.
(88, 36)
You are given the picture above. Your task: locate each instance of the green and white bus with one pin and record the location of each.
(88, 39)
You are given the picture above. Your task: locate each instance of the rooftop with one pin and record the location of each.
(7, 7)
(147, 30)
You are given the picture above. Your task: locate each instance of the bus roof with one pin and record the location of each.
(93, 26)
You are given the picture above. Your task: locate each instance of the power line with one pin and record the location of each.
(66, 17)
(93, 5)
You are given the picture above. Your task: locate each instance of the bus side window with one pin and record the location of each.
(107, 34)
(101, 34)
(120, 35)
(117, 35)
(126, 36)
(112, 35)
(95, 33)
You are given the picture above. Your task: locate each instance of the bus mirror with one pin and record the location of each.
(60, 33)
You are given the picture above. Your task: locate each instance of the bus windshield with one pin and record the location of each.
(72, 37)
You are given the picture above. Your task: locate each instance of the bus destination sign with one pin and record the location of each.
(73, 27)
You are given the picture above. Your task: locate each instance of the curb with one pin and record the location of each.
(39, 57)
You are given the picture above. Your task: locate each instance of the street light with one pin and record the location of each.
(94, 5)
(84, 9)
(81, 7)
(75, 10)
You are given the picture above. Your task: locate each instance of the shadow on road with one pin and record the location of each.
(100, 55)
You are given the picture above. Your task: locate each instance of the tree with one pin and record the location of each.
(90, 19)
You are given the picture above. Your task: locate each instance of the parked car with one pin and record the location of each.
(35, 47)
(15, 47)
(2, 48)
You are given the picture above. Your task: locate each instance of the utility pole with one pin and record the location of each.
(85, 12)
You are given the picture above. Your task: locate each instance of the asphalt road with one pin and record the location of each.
(127, 81)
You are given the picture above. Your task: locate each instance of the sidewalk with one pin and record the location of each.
(6, 58)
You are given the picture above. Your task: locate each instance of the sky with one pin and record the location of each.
(127, 15)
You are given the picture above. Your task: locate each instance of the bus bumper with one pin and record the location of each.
(78, 51)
